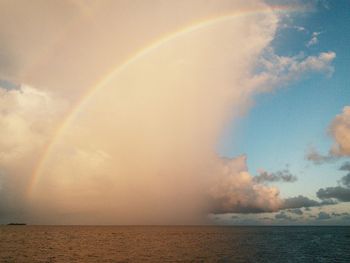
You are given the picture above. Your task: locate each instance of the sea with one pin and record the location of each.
(174, 244)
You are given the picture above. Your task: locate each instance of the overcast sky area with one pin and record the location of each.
(175, 112)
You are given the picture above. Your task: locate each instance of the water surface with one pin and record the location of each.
(173, 244)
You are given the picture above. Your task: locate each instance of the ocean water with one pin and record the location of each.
(173, 244)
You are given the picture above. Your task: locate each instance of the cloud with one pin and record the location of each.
(299, 28)
(340, 131)
(303, 201)
(8, 64)
(279, 176)
(236, 191)
(279, 70)
(345, 167)
(346, 180)
(317, 158)
(119, 160)
(142, 148)
(27, 116)
(8, 84)
(339, 214)
(282, 216)
(323, 216)
(314, 39)
(338, 192)
(299, 201)
(27, 120)
(295, 27)
(296, 211)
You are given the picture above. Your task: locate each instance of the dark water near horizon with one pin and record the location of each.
(173, 244)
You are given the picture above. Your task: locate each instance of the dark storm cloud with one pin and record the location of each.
(323, 215)
(341, 193)
(345, 167)
(338, 192)
(279, 176)
(303, 201)
(345, 180)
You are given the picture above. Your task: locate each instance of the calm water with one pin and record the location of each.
(173, 244)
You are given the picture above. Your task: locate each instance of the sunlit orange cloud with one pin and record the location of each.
(138, 147)
(146, 88)
(139, 55)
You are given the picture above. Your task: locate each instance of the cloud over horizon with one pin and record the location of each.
(341, 192)
(27, 119)
(142, 148)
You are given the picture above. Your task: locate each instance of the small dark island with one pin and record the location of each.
(16, 224)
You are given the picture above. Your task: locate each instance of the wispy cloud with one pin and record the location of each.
(278, 176)
(314, 156)
(281, 70)
(314, 39)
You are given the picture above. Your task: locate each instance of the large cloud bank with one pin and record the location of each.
(141, 150)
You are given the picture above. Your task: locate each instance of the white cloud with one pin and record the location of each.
(236, 191)
(281, 70)
(314, 39)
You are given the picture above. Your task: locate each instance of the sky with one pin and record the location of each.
(175, 112)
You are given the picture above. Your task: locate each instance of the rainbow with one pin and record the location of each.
(198, 25)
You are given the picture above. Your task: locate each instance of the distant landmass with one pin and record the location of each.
(16, 224)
